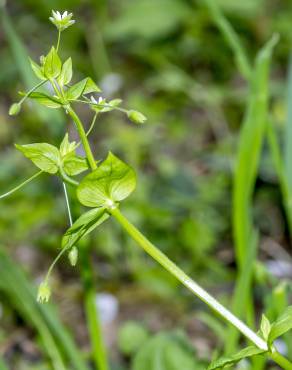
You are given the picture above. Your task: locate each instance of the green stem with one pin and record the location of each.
(59, 39)
(280, 360)
(32, 90)
(21, 185)
(83, 138)
(186, 280)
(93, 322)
(68, 179)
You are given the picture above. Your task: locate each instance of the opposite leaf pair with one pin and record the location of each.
(50, 159)
(109, 184)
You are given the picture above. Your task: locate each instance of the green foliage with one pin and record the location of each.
(52, 64)
(66, 73)
(111, 182)
(281, 325)
(234, 359)
(86, 86)
(44, 156)
(87, 222)
(131, 337)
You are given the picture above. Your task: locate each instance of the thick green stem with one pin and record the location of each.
(280, 360)
(83, 138)
(186, 280)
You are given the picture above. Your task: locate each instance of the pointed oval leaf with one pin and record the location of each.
(111, 182)
(66, 73)
(83, 226)
(75, 91)
(52, 64)
(46, 100)
(45, 156)
(281, 325)
(38, 70)
(74, 165)
(234, 359)
(265, 327)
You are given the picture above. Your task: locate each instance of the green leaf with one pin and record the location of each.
(91, 87)
(234, 359)
(66, 73)
(265, 327)
(44, 156)
(111, 182)
(66, 147)
(52, 64)
(38, 70)
(131, 336)
(281, 325)
(74, 165)
(83, 226)
(84, 86)
(46, 100)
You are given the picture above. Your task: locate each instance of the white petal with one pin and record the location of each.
(59, 16)
(93, 99)
(65, 14)
(100, 99)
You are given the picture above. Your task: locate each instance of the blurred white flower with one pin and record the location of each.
(62, 21)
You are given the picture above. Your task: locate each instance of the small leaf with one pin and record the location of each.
(75, 91)
(83, 226)
(136, 116)
(265, 327)
(44, 156)
(85, 86)
(234, 359)
(52, 64)
(38, 70)
(91, 87)
(74, 165)
(111, 182)
(14, 109)
(66, 147)
(66, 73)
(46, 100)
(281, 325)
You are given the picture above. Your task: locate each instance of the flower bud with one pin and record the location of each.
(14, 109)
(73, 256)
(44, 292)
(136, 116)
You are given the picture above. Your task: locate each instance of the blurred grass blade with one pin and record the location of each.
(56, 341)
(2, 364)
(249, 150)
(280, 169)
(23, 65)
(288, 131)
(231, 37)
(241, 295)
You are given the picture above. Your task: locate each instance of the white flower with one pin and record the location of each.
(61, 21)
(101, 100)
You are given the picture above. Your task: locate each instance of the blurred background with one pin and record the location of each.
(167, 59)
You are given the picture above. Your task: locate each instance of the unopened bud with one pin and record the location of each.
(44, 292)
(14, 109)
(136, 116)
(73, 256)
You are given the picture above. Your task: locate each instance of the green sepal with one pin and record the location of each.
(111, 182)
(281, 325)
